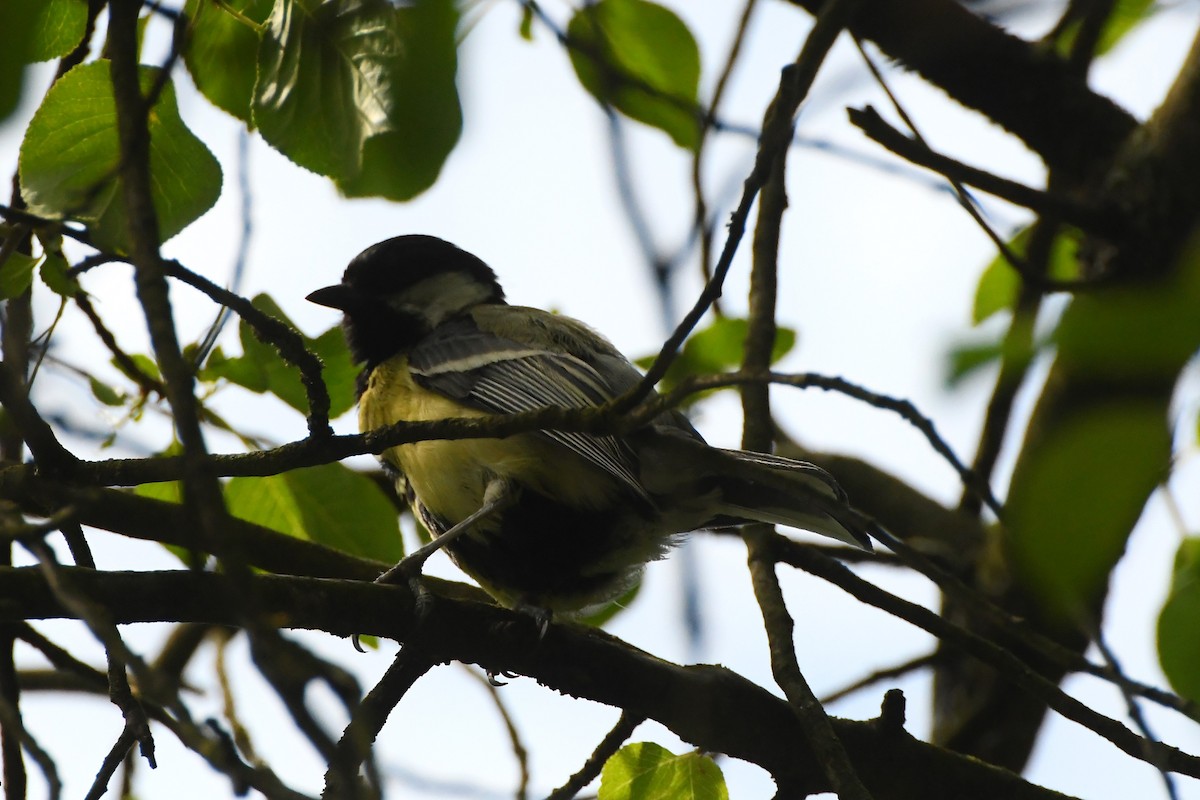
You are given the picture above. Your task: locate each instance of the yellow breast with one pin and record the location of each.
(449, 477)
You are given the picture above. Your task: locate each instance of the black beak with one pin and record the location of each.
(339, 296)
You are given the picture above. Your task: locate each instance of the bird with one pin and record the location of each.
(559, 522)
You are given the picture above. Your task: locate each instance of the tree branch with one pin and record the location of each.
(711, 707)
(1021, 86)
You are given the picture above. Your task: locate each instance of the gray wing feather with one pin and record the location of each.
(497, 374)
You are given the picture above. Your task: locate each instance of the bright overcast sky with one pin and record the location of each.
(878, 274)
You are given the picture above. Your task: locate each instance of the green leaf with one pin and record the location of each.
(105, 393)
(16, 275)
(361, 91)
(718, 348)
(330, 504)
(1134, 332)
(167, 491)
(69, 158)
(1076, 496)
(402, 162)
(647, 771)
(1179, 622)
(55, 273)
(34, 30)
(16, 39)
(1075, 500)
(967, 358)
(526, 28)
(58, 26)
(1124, 17)
(261, 368)
(641, 59)
(240, 370)
(222, 50)
(998, 285)
(145, 363)
(340, 372)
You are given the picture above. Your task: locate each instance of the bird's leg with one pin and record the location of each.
(498, 495)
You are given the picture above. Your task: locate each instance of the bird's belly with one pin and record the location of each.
(572, 539)
(545, 555)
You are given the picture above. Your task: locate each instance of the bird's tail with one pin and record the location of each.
(758, 487)
(735, 487)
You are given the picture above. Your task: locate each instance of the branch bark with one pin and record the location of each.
(708, 706)
(1024, 88)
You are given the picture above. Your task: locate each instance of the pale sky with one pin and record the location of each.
(878, 275)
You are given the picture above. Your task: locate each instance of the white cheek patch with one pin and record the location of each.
(441, 296)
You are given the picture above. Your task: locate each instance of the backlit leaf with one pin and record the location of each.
(261, 368)
(640, 58)
(16, 275)
(1122, 19)
(647, 771)
(69, 158)
(330, 504)
(58, 26)
(998, 285)
(1179, 623)
(55, 273)
(361, 91)
(105, 393)
(718, 348)
(222, 50)
(1075, 500)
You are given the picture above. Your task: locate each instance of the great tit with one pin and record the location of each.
(556, 521)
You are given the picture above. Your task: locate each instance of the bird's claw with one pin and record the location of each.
(541, 618)
(407, 571)
(493, 677)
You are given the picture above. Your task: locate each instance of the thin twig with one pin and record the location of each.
(137, 723)
(831, 383)
(113, 760)
(310, 452)
(814, 722)
(241, 736)
(964, 197)
(1135, 711)
(245, 194)
(49, 453)
(880, 675)
(795, 81)
(287, 341)
(201, 490)
(12, 724)
(701, 219)
(520, 752)
(591, 768)
(1066, 658)
(354, 746)
(290, 669)
(1001, 659)
(1042, 202)
(12, 532)
(129, 368)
